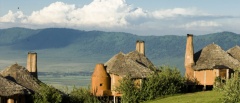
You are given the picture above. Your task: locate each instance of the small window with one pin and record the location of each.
(223, 73)
(101, 84)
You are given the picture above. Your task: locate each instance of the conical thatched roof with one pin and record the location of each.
(21, 76)
(9, 88)
(235, 52)
(133, 63)
(213, 57)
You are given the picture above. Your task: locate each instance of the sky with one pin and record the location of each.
(140, 17)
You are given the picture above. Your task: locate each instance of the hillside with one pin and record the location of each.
(75, 50)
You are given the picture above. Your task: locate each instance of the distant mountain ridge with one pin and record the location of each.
(169, 49)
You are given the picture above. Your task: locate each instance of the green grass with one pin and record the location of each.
(197, 97)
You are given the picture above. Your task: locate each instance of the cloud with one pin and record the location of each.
(12, 17)
(99, 13)
(113, 15)
(176, 12)
(54, 13)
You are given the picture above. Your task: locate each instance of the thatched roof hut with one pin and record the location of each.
(21, 76)
(134, 64)
(213, 57)
(234, 52)
(9, 88)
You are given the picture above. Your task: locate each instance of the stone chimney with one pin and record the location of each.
(140, 46)
(189, 57)
(32, 63)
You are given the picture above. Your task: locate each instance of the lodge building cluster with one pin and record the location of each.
(18, 83)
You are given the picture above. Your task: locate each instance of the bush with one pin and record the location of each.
(130, 93)
(47, 94)
(168, 81)
(218, 84)
(231, 92)
(82, 95)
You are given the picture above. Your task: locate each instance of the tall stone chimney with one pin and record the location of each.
(32, 63)
(140, 46)
(189, 62)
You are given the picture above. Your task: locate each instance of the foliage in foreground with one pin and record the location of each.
(130, 93)
(231, 92)
(168, 81)
(219, 84)
(47, 94)
(82, 95)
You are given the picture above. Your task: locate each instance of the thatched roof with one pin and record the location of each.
(235, 52)
(134, 64)
(9, 88)
(21, 76)
(213, 57)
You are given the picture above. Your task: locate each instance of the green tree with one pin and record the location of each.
(231, 93)
(82, 95)
(219, 84)
(130, 93)
(47, 94)
(165, 81)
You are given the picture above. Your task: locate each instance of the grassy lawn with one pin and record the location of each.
(198, 97)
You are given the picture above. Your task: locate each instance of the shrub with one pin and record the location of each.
(218, 84)
(130, 93)
(166, 82)
(231, 92)
(47, 94)
(82, 95)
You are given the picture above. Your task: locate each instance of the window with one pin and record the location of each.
(222, 73)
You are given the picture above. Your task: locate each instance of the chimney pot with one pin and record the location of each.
(140, 46)
(32, 63)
